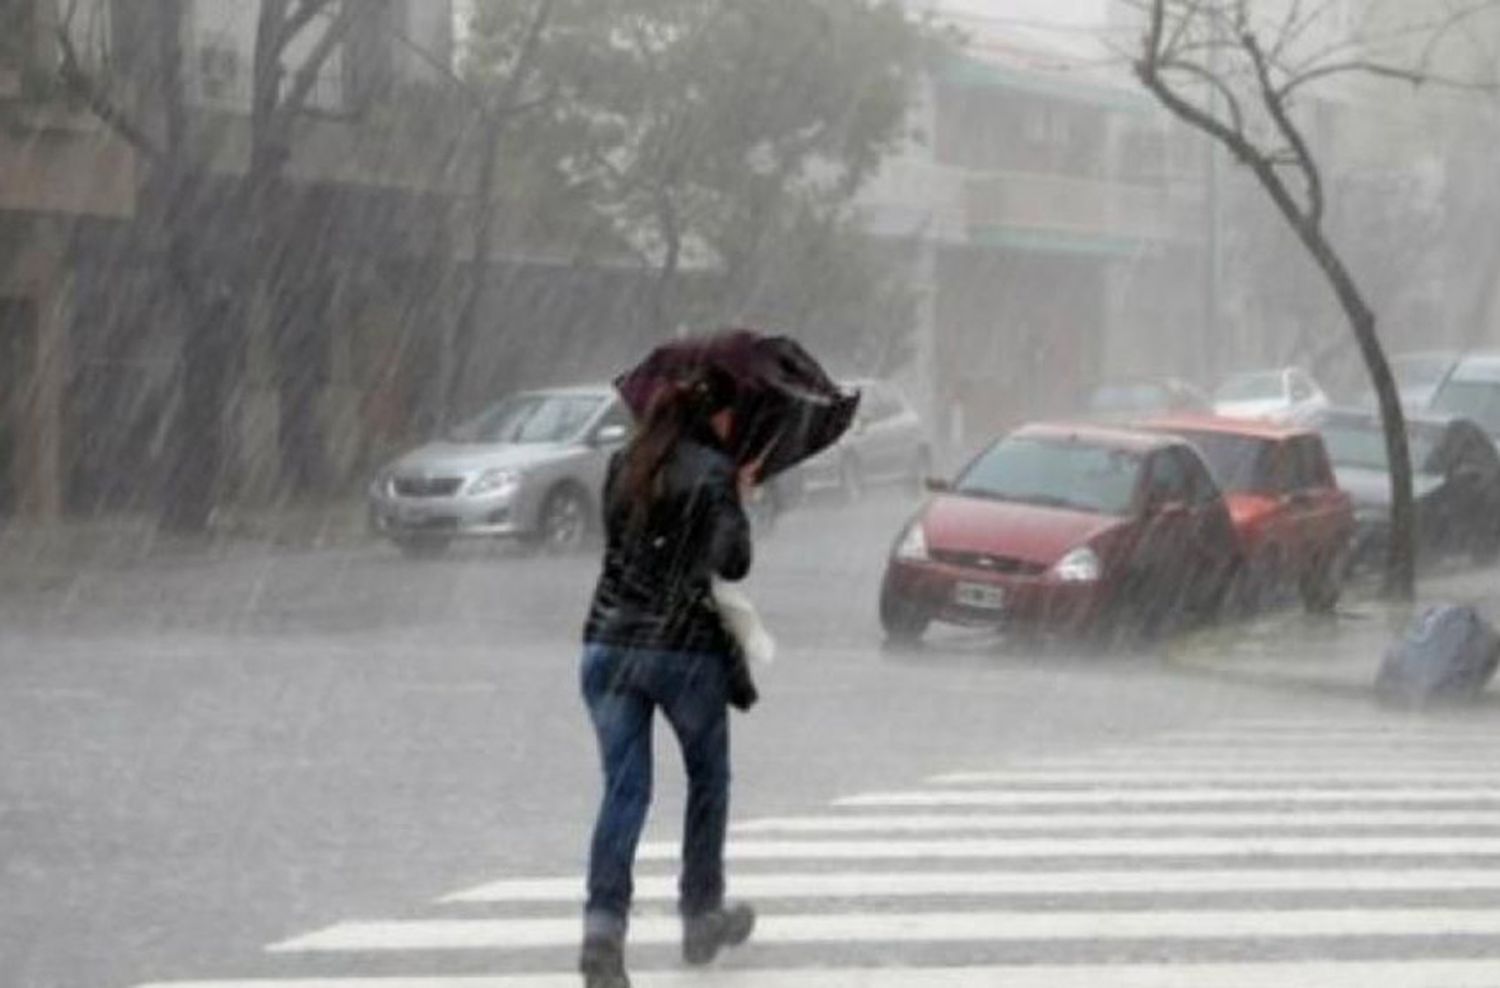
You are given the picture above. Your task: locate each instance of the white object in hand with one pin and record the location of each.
(743, 622)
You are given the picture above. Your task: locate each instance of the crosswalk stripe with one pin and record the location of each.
(1398, 973)
(1218, 773)
(900, 884)
(1432, 819)
(1103, 796)
(1426, 747)
(1477, 732)
(918, 927)
(1260, 758)
(1102, 847)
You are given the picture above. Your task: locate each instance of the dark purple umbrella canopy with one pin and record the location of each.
(788, 409)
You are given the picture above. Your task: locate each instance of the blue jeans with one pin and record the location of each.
(622, 688)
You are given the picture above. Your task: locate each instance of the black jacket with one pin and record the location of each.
(654, 590)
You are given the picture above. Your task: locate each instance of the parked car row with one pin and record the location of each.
(1104, 530)
(1452, 401)
(531, 468)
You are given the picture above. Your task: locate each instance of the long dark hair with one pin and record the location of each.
(681, 409)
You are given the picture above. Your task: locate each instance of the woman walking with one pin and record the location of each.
(674, 519)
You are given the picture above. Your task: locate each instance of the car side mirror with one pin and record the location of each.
(937, 485)
(611, 435)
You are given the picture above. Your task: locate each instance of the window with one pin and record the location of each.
(1239, 464)
(530, 418)
(1202, 490)
(618, 415)
(221, 78)
(1169, 482)
(1477, 400)
(1300, 466)
(1251, 387)
(1056, 473)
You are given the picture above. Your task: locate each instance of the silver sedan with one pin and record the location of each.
(529, 468)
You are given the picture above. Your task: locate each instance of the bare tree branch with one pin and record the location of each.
(1417, 77)
(85, 87)
(295, 21)
(1231, 98)
(306, 77)
(1276, 106)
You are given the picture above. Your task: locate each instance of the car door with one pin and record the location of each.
(1471, 508)
(1212, 550)
(1167, 531)
(1319, 510)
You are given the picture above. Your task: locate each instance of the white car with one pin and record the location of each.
(1472, 389)
(1286, 394)
(886, 445)
(529, 468)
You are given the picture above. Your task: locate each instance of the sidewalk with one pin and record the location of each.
(48, 555)
(1336, 654)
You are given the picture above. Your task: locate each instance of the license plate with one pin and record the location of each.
(413, 516)
(980, 596)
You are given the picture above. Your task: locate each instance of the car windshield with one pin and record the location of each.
(1362, 445)
(1128, 398)
(1240, 464)
(1477, 400)
(1420, 371)
(1251, 387)
(1056, 473)
(529, 418)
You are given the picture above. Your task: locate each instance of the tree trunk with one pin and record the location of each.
(466, 327)
(664, 312)
(1400, 573)
(175, 194)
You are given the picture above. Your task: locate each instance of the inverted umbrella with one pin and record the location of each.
(788, 409)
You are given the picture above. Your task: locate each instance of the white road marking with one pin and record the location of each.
(1402, 973)
(1204, 794)
(1339, 845)
(897, 884)
(919, 927)
(1283, 819)
(1436, 776)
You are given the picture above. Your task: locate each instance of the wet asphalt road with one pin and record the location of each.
(203, 756)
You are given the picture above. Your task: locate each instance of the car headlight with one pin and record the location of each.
(494, 481)
(380, 486)
(1079, 566)
(913, 545)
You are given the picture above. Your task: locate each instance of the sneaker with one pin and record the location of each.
(602, 963)
(704, 936)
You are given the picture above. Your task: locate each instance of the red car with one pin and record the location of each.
(1293, 522)
(1080, 529)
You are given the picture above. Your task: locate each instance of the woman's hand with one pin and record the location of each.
(748, 478)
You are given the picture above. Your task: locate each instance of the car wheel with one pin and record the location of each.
(564, 525)
(1322, 585)
(904, 621)
(422, 546)
(851, 480)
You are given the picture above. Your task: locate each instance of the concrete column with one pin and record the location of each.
(41, 440)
